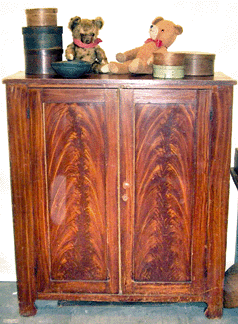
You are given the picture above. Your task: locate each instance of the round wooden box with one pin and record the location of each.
(41, 17)
(42, 46)
(199, 64)
(42, 37)
(168, 65)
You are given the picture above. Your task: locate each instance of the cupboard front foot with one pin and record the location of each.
(27, 309)
(214, 310)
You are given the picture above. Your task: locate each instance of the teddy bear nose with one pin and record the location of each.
(87, 39)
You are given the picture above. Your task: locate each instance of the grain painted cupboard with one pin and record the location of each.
(120, 188)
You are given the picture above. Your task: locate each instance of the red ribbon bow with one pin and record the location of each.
(157, 42)
(83, 45)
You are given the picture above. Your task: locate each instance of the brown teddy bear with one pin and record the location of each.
(85, 42)
(140, 60)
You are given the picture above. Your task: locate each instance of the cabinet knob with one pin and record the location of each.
(125, 185)
(125, 197)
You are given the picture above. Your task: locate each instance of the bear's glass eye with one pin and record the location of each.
(92, 34)
(162, 30)
(151, 26)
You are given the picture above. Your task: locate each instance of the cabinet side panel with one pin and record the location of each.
(218, 196)
(42, 267)
(164, 169)
(201, 192)
(19, 143)
(75, 149)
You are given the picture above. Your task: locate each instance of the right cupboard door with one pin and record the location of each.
(164, 166)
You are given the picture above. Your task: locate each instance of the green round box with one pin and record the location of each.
(168, 72)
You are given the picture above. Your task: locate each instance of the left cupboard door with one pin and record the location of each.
(74, 154)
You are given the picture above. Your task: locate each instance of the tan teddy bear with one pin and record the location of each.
(85, 42)
(140, 60)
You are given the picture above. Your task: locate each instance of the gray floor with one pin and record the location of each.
(96, 313)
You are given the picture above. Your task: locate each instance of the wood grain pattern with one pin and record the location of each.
(163, 221)
(76, 181)
(164, 192)
(18, 126)
(120, 188)
(76, 200)
(200, 217)
(218, 197)
(40, 205)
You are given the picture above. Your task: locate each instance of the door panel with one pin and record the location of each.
(78, 148)
(75, 146)
(161, 217)
(164, 195)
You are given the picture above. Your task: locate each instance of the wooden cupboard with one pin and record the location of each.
(120, 188)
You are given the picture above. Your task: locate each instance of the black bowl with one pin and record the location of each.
(71, 69)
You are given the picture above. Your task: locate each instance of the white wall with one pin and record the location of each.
(209, 26)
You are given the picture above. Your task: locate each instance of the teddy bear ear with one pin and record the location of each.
(98, 22)
(156, 20)
(178, 29)
(74, 22)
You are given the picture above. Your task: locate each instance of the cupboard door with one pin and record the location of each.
(164, 171)
(74, 149)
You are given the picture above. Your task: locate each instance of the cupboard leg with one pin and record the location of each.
(27, 309)
(214, 308)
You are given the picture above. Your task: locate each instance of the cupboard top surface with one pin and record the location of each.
(122, 81)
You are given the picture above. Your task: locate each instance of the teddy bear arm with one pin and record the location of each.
(70, 52)
(162, 49)
(101, 56)
(128, 55)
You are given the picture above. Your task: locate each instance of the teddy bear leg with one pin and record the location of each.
(119, 68)
(105, 68)
(96, 67)
(100, 68)
(140, 67)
